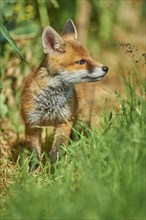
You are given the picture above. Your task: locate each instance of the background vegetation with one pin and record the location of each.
(102, 176)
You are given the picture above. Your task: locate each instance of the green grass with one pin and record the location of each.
(102, 176)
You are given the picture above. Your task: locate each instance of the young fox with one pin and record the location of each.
(51, 96)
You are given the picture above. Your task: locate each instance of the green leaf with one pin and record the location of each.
(7, 35)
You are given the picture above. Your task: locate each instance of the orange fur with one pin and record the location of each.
(59, 91)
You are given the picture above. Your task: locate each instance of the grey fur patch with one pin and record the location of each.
(52, 104)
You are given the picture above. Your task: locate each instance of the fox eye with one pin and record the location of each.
(81, 62)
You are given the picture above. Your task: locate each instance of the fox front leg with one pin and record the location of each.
(33, 140)
(61, 137)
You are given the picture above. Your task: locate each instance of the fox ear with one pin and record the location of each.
(70, 29)
(52, 41)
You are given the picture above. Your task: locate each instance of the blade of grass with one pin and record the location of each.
(7, 35)
(55, 3)
(44, 17)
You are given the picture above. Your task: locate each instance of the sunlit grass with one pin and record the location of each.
(102, 176)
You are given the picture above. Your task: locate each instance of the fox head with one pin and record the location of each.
(67, 59)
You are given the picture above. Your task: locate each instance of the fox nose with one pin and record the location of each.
(105, 68)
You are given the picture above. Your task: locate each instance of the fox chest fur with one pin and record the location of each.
(50, 105)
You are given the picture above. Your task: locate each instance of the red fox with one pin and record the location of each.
(55, 95)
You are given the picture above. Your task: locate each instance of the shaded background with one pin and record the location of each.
(112, 30)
